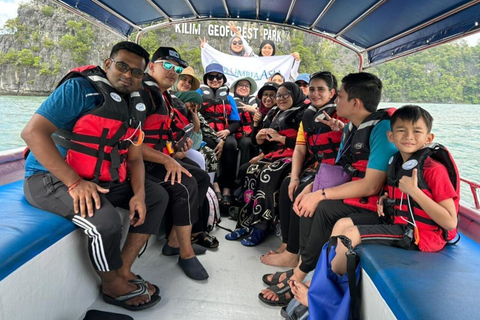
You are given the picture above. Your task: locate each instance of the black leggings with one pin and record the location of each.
(228, 161)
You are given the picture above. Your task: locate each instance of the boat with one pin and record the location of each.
(44, 268)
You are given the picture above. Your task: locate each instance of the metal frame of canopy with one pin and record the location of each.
(377, 31)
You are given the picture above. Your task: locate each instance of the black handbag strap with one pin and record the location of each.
(352, 262)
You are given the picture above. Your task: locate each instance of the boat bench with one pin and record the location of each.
(420, 285)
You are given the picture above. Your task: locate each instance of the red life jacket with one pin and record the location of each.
(431, 236)
(216, 108)
(246, 118)
(355, 159)
(286, 123)
(322, 143)
(98, 144)
(163, 121)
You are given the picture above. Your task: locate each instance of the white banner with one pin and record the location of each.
(257, 68)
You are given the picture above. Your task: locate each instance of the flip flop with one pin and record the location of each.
(140, 280)
(255, 238)
(141, 290)
(276, 277)
(237, 233)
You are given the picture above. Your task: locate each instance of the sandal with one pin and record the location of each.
(276, 277)
(227, 200)
(283, 293)
(219, 196)
(205, 240)
(237, 233)
(141, 290)
(256, 237)
(141, 280)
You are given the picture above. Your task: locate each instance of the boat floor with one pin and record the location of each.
(231, 292)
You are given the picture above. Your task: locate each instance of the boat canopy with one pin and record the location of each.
(377, 30)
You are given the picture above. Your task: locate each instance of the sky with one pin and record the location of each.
(9, 11)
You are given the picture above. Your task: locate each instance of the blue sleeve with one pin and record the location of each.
(381, 150)
(68, 102)
(234, 114)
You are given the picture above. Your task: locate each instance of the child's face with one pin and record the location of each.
(409, 137)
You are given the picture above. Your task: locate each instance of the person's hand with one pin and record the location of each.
(203, 42)
(234, 28)
(296, 56)
(300, 292)
(218, 149)
(180, 155)
(308, 205)
(300, 196)
(292, 187)
(380, 204)
(273, 135)
(223, 134)
(247, 107)
(262, 134)
(187, 145)
(257, 117)
(409, 185)
(193, 108)
(257, 158)
(174, 171)
(82, 195)
(137, 204)
(334, 124)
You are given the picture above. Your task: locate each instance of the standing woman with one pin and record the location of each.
(243, 89)
(220, 111)
(267, 49)
(263, 180)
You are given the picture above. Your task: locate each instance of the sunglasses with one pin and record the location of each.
(124, 68)
(302, 84)
(211, 77)
(284, 95)
(168, 66)
(237, 42)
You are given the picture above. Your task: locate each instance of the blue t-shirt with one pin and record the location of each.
(63, 108)
(381, 150)
(234, 114)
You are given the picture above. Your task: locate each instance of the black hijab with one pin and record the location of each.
(294, 114)
(264, 42)
(297, 94)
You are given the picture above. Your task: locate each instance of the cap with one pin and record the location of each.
(303, 77)
(169, 53)
(214, 67)
(267, 86)
(253, 84)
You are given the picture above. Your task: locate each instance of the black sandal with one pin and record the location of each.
(205, 240)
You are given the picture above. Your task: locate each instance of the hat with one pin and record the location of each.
(190, 96)
(267, 86)
(303, 77)
(190, 72)
(169, 54)
(214, 67)
(253, 84)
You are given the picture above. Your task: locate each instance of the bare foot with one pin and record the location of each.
(300, 292)
(284, 259)
(280, 249)
(272, 296)
(119, 287)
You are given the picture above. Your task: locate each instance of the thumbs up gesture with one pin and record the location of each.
(409, 184)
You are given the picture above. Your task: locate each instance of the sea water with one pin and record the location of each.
(457, 126)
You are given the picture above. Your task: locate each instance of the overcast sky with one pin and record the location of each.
(9, 11)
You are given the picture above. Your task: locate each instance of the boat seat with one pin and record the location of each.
(420, 285)
(25, 231)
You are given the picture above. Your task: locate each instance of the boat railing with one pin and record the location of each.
(474, 186)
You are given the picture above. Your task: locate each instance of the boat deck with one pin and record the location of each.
(230, 292)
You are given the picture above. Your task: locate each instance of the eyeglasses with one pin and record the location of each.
(243, 85)
(237, 42)
(284, 95)
(124, 68)
(167, 65)
(302, 84)
(271, 96)
(211, 77)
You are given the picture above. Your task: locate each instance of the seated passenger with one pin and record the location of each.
(364, 154)
(76, 181)
(263, 179)
(316, 143)
(184, 181)
(302, 81)
(243, 89)
(220, 111)
(277, 77)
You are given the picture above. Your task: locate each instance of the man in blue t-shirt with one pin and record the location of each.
(365, 150)
(97, 100)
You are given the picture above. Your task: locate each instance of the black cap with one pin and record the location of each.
(169, 53)
(267, 86)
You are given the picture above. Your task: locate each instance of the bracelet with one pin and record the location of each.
(323, 193)
(74, 185)
(294, 179)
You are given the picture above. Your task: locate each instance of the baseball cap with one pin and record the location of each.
(169, 53)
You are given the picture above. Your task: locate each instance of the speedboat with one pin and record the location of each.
(44, 268)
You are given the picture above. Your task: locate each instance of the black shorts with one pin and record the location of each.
(388, 234)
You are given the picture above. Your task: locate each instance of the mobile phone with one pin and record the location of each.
(187, 133)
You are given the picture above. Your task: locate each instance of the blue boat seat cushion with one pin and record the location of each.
(25, 231)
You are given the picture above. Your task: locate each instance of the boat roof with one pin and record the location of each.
(377, 30)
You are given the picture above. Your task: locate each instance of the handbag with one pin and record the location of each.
(332, 296)
(329, 175)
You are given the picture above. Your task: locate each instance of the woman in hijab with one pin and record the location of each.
(263, 179)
